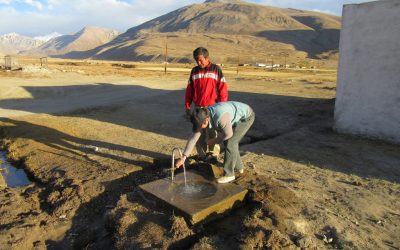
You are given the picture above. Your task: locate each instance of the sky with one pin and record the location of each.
(42, 17)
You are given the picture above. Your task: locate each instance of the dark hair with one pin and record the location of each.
(198, 117)
(200, 51)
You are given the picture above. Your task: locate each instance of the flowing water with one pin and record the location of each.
(14, 177)
(198, 198)
(173, 164)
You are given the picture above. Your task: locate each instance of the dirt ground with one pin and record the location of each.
(89, 133)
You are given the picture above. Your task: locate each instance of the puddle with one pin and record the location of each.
(14, 177)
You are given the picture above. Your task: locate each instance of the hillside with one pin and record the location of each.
(46, 38)
(85, 39)
(12, 43)
(257, 32)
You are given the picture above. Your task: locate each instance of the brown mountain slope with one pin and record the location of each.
(85, 39)
(227, 28)
(223, 18)
(12, 43)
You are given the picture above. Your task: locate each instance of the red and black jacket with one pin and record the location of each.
(206, 86)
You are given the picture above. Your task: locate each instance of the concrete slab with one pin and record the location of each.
(3, 183)
(200, 199)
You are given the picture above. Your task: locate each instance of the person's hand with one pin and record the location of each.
(211, 142)
(179, 163)
(187, 114)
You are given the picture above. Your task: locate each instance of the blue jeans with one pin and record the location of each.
(232, 159)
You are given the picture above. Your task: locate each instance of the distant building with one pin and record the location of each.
(260, 65)
(274, 66)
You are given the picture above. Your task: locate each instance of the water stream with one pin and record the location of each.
(173, 164)
(14, 177)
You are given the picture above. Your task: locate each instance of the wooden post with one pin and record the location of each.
(166, 57)
(43, 61)
(272, 62)
(285, 60)
(237, 69)
(8, 62)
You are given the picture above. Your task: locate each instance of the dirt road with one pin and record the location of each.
(89, 140)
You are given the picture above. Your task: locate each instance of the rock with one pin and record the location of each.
(380, 222)
(278, 240)
(327, 240)
(251, 165)
(305, 242)
(39, 245)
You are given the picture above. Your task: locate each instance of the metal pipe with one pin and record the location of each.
(173, 164)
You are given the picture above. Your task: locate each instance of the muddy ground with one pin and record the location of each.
(88, 137)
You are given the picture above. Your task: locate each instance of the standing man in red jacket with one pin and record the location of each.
(206, 87)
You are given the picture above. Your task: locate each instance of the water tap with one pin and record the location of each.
(173, 164)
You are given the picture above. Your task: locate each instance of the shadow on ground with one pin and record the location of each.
(70, 144)
(295, 128)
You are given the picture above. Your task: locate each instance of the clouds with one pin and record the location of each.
(39, 17)
(35, 4)
(33, 17)
(325, 11)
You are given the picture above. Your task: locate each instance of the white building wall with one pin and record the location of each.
(368, 87)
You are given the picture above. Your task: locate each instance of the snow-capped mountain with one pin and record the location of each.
(85, 39)
(56, 43)
(12, 43)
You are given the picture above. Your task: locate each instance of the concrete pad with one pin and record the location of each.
(217, 171)
(200, 199)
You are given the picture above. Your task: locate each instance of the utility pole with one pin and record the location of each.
(272, 62)
(237, 69)
(285, 55)
(166, 57)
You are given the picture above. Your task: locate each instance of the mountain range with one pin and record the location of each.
(85, 39)
(13, 43)
(55, 43)
(47, 37)
(233, 31)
